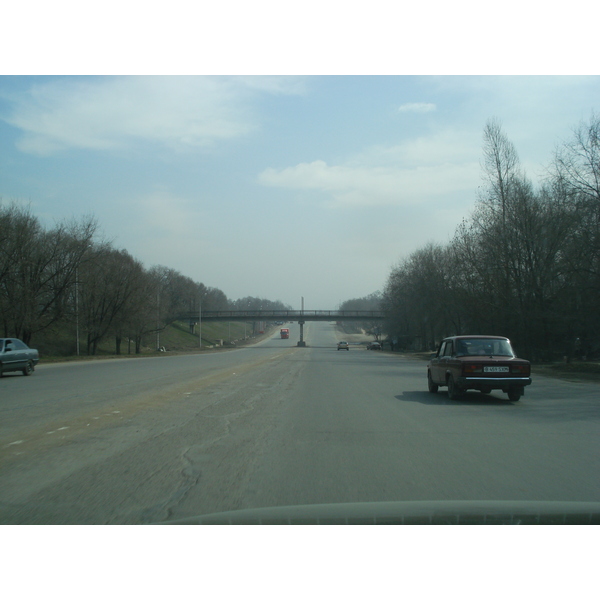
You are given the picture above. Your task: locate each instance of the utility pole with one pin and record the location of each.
(158, 319)
(77, 306)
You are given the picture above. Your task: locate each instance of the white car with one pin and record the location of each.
(343, 346)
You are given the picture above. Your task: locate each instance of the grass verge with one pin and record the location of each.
(175, 338)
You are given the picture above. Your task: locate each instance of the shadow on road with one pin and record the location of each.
(468, 399)
(530, 408)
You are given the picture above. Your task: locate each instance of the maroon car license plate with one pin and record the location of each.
(495, 369)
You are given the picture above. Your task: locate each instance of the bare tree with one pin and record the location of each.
(134, 284)
(370, 302)
(500, 167)
(507, 270)
(575, 179)
(108, 284)
(19, 234)
(577, 163)
(37, 270)
(254, 303)
(421, 298)
(143, 308)
(214, 299)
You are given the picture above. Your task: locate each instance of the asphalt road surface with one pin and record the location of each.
(156, 439)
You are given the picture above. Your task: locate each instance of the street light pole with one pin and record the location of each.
(200, 324)
(77, 306)
(158, 319)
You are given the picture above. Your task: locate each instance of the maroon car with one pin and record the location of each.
(478, 362)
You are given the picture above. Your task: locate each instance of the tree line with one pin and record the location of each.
(370, 302)
(64, 277)
(524, 264)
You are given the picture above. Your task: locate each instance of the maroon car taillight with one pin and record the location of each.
(469, 369)
(520, 370)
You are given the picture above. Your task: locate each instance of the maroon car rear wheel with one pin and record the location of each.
(433, 388)
(454, 392)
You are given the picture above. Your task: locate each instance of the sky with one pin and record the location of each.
(311, 184)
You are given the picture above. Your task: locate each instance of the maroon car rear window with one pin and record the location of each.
(483, 347)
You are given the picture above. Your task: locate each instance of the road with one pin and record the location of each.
(151, 439)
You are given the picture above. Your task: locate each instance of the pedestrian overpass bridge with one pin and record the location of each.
(301, 316)
(284, 315)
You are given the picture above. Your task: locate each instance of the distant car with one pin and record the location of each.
(478, 362)
(343, 346)
(17, 356)
(373, 346)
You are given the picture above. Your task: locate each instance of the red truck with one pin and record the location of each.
(285, 334)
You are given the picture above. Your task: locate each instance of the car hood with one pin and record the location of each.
(451, 512)
(486, 358)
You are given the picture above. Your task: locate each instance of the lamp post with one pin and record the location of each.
(200, 324)
(158, 319)
(77, 306)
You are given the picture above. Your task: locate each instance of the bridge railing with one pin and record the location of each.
(286, 315)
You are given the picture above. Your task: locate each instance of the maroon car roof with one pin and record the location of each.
(484, 337)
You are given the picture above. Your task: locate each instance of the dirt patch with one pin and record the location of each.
(353, 338)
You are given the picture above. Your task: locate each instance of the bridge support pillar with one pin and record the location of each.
(301, 343)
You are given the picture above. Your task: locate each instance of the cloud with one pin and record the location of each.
(164, 214)
(278, 85)
(374, 186)
(417, 170)
(418, 107)
(108, 113)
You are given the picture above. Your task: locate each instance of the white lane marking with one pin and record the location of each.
(14, 443)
